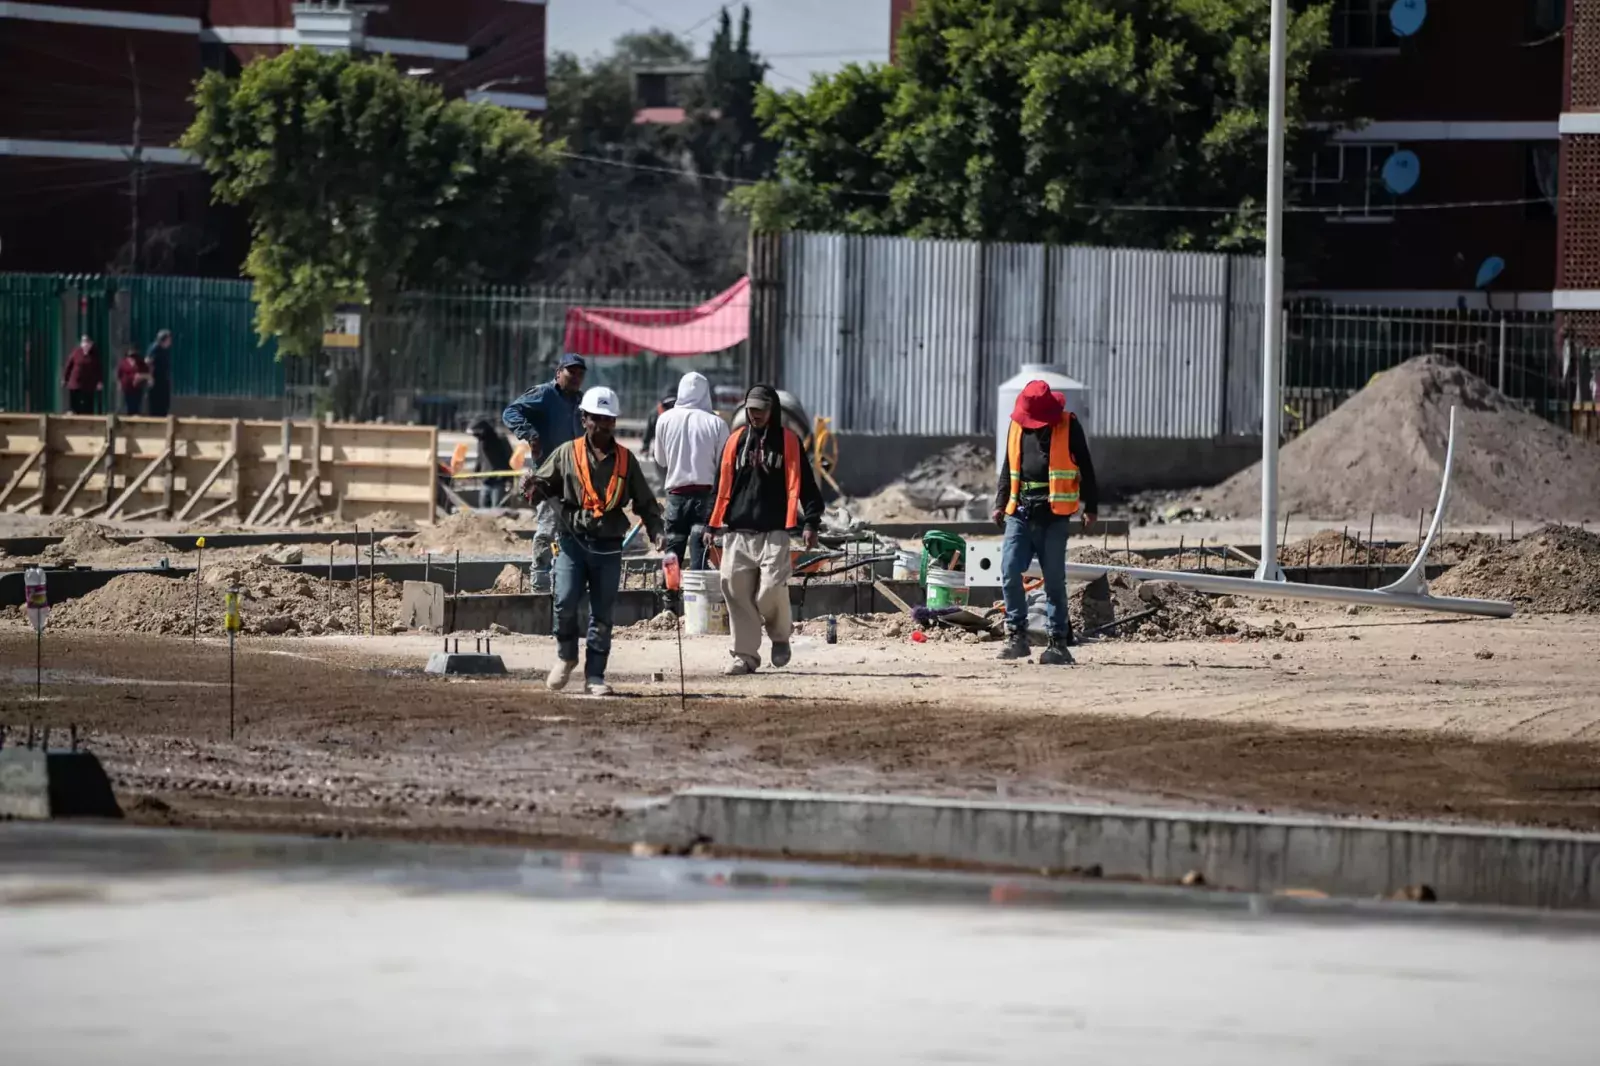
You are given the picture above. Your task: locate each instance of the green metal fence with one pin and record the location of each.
(214, 353)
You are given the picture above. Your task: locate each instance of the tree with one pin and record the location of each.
(361, 183)
(725, 135)
(635, 214)
(1047, 120)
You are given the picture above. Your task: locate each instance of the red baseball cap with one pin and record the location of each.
(1038, 406)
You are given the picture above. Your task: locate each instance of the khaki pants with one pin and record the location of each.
(755, 583)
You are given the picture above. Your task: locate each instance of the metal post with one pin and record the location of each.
(372, 579)
(1272, 302)
(230, 684)
(1502, 385)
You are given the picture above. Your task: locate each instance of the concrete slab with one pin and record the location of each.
(39, 785)
(1465, 864)
(467, 663)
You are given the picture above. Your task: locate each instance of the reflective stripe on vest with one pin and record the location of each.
(1063, 483)
(590, 500)
(730, 462)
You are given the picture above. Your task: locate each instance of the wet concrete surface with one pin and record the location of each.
(175, 947)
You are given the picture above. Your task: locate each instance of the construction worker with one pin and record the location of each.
(1046, 477)
(546, 417)
(765, 488)
(688, 446)
(588, 481)
(661, 408)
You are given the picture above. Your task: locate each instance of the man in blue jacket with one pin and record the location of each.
(546, 417)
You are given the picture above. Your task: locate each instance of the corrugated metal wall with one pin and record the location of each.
(893, 335)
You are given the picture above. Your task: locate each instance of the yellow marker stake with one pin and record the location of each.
(232, 623)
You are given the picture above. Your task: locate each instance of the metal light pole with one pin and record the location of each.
(1272, 303)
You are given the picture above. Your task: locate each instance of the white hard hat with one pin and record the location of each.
(600, 401)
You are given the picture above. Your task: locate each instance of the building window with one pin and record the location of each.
(1362, 24)
(1546, 18)
(1346, 182)
(1540, 182)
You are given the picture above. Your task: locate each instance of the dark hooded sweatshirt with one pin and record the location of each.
(759, 502)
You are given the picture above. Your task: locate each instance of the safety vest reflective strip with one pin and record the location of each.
(591, 500)
(791, 476)
(1063, 483)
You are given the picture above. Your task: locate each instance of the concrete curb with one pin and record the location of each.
(1462, 864)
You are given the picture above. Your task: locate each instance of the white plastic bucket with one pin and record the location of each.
(704, 612)
(907, 565)
(946, 588)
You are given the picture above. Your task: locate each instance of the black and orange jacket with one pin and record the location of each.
(757, 487)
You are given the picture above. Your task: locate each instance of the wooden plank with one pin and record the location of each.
(236, 440)
(285, 463)
(83, 479)
(44, 464)
(200, 493)
(170, 485)
(313, 481)
(266, 498)
(209, 515)
(27, 502)
(148, 512)
(138, 483)
(110, 461)
(887, 593)
(21, 472)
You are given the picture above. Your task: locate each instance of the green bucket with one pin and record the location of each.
(946, 588)
(938, 549)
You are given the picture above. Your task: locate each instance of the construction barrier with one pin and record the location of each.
(203, 469)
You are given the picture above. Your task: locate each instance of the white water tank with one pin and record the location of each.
(1075, 392)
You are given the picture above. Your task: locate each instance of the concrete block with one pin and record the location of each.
(57, 784)
(422, 605)
(1462, 864)
(471, 663)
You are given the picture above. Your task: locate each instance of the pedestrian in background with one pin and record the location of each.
(133, 377)
(765, 489)
(546, 417)
(1046, 477)
(688, 445)
(158, 368)
(588, 481)
(83, 377)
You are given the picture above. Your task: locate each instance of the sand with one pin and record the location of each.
(1555, 571)
(1383, 453)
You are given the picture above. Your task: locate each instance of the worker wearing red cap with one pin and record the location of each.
(1046, 477)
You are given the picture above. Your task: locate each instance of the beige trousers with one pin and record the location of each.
(755, 584)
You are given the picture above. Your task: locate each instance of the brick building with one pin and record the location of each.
(83, 82)
(1475, 93)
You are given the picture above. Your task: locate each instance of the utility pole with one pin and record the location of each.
(136, 175)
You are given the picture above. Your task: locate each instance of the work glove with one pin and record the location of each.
(526, 486)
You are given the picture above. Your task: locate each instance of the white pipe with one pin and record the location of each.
(1415, 580)
(1272, 302)
(1218, 585)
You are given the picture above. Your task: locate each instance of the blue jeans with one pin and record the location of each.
(595, 568)
(1044, 538)
(686, 520)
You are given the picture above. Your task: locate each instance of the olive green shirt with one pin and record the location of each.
(557, 480)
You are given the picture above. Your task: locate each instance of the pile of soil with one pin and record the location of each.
(388, 522)
(1171, 611)
(510, 581)
(1383, 452)
(274, 602)
(79, 539)
(965, 467)
(850, 629)
(467, 532)
(1555, 571)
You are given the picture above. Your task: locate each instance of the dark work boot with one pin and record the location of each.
(1056, 654)
(1016, 646)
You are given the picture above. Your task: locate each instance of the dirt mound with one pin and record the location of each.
(80, 539)
(1382, 452)
(1555, 571)
(388, 521)
(848, 629)
(938, 486)
(467, 532)
(275, 602)
(510, 580)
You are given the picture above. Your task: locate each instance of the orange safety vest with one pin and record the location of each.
(791, 475)
(1063, 483)
(591, 500)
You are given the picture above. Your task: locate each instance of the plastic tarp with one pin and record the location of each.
(718, 324)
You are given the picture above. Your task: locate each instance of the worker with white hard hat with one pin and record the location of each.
(590, 480)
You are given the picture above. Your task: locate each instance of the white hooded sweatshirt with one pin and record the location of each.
(689, 438)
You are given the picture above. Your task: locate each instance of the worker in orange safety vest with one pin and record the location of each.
(1046, 477)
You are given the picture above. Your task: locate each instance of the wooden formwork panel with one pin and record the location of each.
(215, 469)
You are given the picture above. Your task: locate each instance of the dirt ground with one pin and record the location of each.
(1372, 715)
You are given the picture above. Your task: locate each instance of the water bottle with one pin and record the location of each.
(833, 630)
(34, 597)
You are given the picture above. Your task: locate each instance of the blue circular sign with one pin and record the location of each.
(1407, 16)
(1401, 172)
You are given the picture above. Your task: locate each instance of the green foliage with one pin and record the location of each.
(724, 134)
(1025, 120)
(361, 182)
